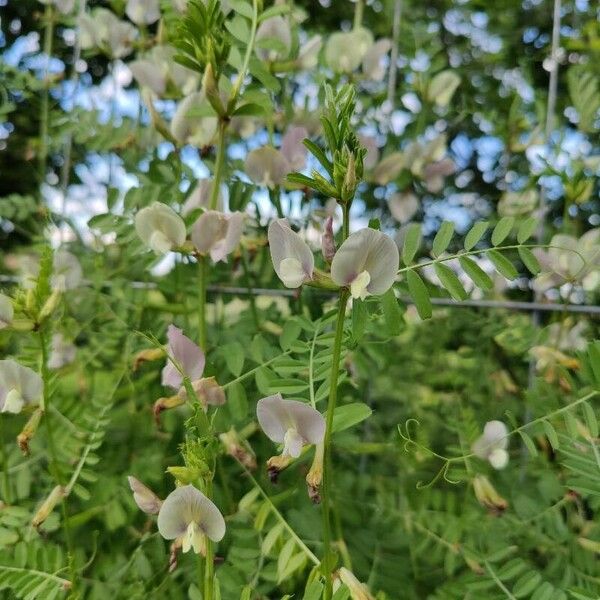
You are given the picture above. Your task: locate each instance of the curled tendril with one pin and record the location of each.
(408, 440)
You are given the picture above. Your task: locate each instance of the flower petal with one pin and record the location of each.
(287, 244)
(188, 355)
(267, 166)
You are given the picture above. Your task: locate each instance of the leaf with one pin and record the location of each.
(502, 264)
(526, 584)
(502, 230)
(526, 229)
(238, 27)
(237, 401)
(571, 424)
(249, 110)
(349, 415)
(450, 281)
(419, 294)
(318, 153)
(273, 11)
(475, 234)
(313, 591)
(551, 434)
(528, 443)
(442, 238)
(284, 557)
(477, 275)
(359, 319)
(234, 357)
(412, 241)
(242, 7)
(590, 419)
(287, 386)
(529, 260)
(291, 332)
(392, 313)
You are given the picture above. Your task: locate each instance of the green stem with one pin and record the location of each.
(7, 497)
(327, 562)
(53, 463)
(358, 13)
(219, 162)
(202, 279)
(249, 48)
(209, 562)
(251, 297)
(48, 37)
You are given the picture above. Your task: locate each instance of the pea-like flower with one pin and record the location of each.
(186, 355)
(19, 386)
(7, 311)
(291, 423)
(189, 516)
(144, 497)
(102, 29)
(267, 166)
(200, 197)
(491, 446)
(403, 206)
(277, 32)
(293, 149)
(293, 260)
(373, 64)
(160, 227)
(345, 51)
(217, 234)
(63, 6)
(66, 271)
(366, 262)
(62, 352)
(308, 55)
(187, 128)
(143, 12)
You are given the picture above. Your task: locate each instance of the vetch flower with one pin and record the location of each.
(403, 206)
(160, 227)
(19, 386)
(66, 271)
(200, 197)
(144, 497)
(372, 64)
(328, 241)
(62, 353)
(267, 166)
(143, 12)
(63, 6)
(208, 391)
(293, 260)
(189, 516)
(291, 423)
(277, 37)
(102, 29)
(491, 446)
(217, 234)
(367, 262)
(189, 129)
(7, 311)
(308, 56)
(345, 51)
(187, 355)
(293, 149)
(487, 495)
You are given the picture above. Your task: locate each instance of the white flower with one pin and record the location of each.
(309, 52)
(278, 35)
(372, 155)
(102, 29)
(372, 64)
(293, 149)
(160, 227)
(293, 260)
(217, 234)
(442, 87)
(290, 423)
(143, 12)
(200, 197)
(181, 351)
(19, 386)
(144, 497)
(66, 271)
(64, 6)
(367, 262)
(403, 206)
(267, 166)
(189, 129)
(7, 311)
(345, 50)
(62, 353)
(188, 515)
(491, 446)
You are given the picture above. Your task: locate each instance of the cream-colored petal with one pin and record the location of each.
(7, 311)
(267, 166)
(287, 244)
(160, 227)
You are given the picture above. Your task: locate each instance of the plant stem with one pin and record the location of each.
(4, 463)
(219, 162)
(209, 562)
(53, 463)
(327, 562)
(358, 13)
(202, 277)
(48, 37)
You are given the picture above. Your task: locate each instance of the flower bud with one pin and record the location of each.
(29, 431)
(358, 590)
(144, 497)
(487, 495)
(165, 404)
(43, 512)
(49, 306)
(150, 354)
(328, 241)
(234, 447)
(315, 475)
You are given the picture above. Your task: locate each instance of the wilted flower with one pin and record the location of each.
(293, 260)
(160, 227)
(189, 129)
(434, 173)
(403, 206)
(277, 34)
(188, 515)
(328, 241)
(143, 12)
(491, 446)
(7, 311)
(570, 260)
(291, 423)
(200, 197)
(267, 166)
(144, 497)
(293, 149)
(44, 511)
(186, 355)
(104, 30)
(62, 353)
(309, 52)
(372, 64)
(19, 386)
(217, 234)
(487, 495)
(345, 51)
(208, 391)
(367, 262)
